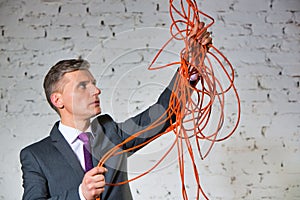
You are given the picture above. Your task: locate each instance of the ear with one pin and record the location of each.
(56, 99)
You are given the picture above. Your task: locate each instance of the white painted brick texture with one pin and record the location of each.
(261, 38)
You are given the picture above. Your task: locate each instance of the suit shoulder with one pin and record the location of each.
(104, 120)
(39, 145)
(106, 123)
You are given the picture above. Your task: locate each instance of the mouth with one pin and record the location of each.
(95, 103)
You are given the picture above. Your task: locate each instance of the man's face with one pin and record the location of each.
(79, 96)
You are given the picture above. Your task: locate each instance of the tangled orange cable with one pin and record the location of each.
(192, 104)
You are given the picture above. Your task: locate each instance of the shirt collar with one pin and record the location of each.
(70, 133)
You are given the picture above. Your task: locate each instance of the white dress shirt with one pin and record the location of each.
(71, 135)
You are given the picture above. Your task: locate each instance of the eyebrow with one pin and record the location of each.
(93, 81)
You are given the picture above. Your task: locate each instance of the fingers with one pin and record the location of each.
(194, 30)
(201, 25)
(97, 170)
(198, 26)
(93, 183)
(204, 38)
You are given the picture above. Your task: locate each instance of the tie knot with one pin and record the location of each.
(84, 137)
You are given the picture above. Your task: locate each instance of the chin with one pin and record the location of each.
(97, 111)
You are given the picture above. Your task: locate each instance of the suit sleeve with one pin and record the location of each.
(156, 113)
(35, 182)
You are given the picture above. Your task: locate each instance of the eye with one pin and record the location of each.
(82, 85)
(93, 82)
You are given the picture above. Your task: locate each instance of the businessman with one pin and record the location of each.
(63, 166)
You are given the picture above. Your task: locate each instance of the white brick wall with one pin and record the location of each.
(261, 38)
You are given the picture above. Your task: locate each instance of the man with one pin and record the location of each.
(55, 167)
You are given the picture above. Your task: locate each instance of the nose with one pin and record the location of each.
(96, 91)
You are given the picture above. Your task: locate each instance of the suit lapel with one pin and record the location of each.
(101, 145)
(96, 144)
(64, 148)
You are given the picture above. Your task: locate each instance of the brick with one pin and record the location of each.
(292, 58)
(97, 8)
(247, 6)
(278, 17)
(286, 5)
(24, 31)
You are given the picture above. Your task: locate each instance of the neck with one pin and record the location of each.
(81, 125)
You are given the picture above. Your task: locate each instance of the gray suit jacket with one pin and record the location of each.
(51, 169)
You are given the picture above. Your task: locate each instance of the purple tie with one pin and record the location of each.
(85, 138)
